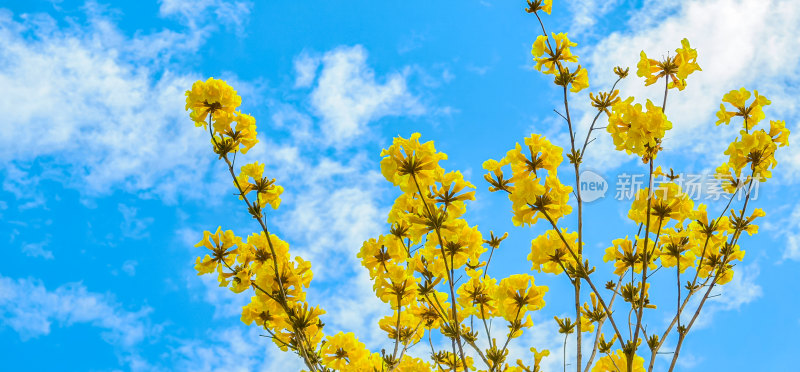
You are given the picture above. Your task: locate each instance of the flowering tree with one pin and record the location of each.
(416, 266)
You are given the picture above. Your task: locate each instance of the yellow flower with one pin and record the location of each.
(625, 257)
(447, 191)
(221, 246)
(343, 350)
(537, 5)
(378, 255)
(251, 178)
(497, 182)
(409, 332)
(549, 254)
(213, 97)
(667, 203)
(617, 361)
(755, 149)
(751, 114)
(475, 297)
(636, 131)
(551, 59)
(675, 247)
(407, 160)
(604, 100)
(245, 132)
(580, 81)
(518, 294)
(530, 200)
(540, 154)
(398, 287)
(779, 133)
(412, 364)
(676, 68)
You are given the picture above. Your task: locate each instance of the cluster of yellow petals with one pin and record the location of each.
(676, 68)
(752, 114)
(251, 178)
(618, 361)
(531, 198)
(625, 256)
(408, 163)
(668, 203)
(252, 264)
(216, 98)
(343, 352)
(637, 131)
(478, 297)
(551, 60)
(548, 253)
(430, 244)
(517, 295)
(754, 150)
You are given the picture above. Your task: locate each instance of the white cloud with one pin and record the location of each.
(196, 13)
(129, 267)
(233, 349)
(585, 14)
(30, 309)
(305, 66)
(37, 250)
(740, 43)
(348, 96)
(97, 109)
(227, 304)
(790, 228)
(133, 226)
(742, 290)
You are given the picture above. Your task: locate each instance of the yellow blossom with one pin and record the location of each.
(343, 350)
(752, 114)
(213, 97)
(636, 131)
(409, 163)
(676, 68)
(618, 361)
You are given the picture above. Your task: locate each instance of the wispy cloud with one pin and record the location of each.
(232, 349)
(305, 67)
(101, 110)
(132, 225)
(202, 13)
(586, 13)
(347, 95)
(38, 250)
(30, 309)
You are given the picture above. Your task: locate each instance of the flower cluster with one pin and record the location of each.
(414, 267)
(754, 150)
(637, 131)
(534, 187)
(216, 101)
(552, 52)
(675, 68)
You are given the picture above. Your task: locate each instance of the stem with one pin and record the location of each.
(600, 325)
(300, 334)
(397, 327)
(565, 350)
(591, 127)
(645, 262)
(646, 258)
(723, 262)
(456, 323)
(586, 278)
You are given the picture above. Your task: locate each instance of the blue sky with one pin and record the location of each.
(106, 184)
